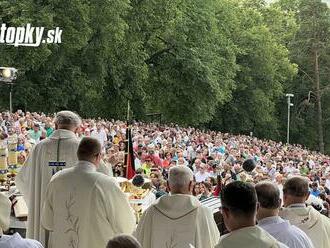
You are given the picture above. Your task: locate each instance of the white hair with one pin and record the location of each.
(68, 119)
(180, 176)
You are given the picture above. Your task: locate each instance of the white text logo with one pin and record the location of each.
(29, 36)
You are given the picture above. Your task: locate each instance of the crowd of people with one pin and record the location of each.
(185, 166)
(208, 153)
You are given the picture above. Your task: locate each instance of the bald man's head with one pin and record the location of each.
(268, 195)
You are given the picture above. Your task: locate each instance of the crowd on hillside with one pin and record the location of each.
(214, 157)
(183, 167)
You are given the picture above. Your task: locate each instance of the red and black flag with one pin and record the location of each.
(129, 155)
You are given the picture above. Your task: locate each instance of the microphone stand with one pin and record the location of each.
(224, 183)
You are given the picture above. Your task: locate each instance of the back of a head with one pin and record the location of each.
(67, 120)
(179, 177)
(240, 198)
(296, 186)
(88, 148)
(5, 207)
(268, 195)
(123, 241)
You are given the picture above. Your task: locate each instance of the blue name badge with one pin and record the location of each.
(57, 164)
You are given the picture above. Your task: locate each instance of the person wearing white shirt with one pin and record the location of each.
(327, 181)
(100, 134)
(202, 174)
(11, 241)
(137, 162)
(279, 183)
(289, 169)
(311, 164)
(271, 170)
(268, 219)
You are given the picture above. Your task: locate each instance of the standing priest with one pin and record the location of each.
(178, 220)
(84, 208)
(48, 157)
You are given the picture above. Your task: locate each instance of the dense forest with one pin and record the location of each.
(220, 64)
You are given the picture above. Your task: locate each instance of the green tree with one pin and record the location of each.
(191, 62)
(263, 68)
(310, 49)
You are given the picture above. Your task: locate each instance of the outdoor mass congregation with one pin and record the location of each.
(95, 183)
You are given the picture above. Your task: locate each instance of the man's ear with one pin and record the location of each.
(225, 212)
(307, 196)
(191, 186)
(168, 186)
(285, 197)
(258, 206)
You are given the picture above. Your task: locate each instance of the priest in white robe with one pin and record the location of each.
(269, 205)
(313, 223)
(178, 220)
(239, 205)
(85, 208)
(40, 166)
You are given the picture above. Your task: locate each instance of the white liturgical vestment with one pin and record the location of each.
(314, 224)
(85, 208)
(249, 237)
(177, 221)
(33, 178)
(286, 233)
(35, 175)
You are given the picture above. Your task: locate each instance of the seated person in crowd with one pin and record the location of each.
(239, 207)
(313, 223)
(178, 219)
(268, 219)
(206, 189)
(123, 241)
(15, 240)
